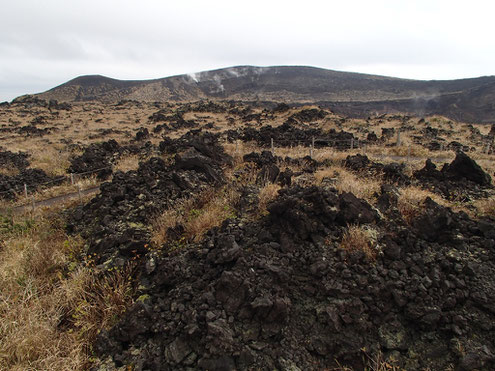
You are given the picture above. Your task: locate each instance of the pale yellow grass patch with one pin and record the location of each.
(346, 181)
(127, 163)
(9, 171)
(52, 161)
(238, 149)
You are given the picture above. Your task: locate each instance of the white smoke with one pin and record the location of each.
(218, 80)
(234, 72)
(194, 77)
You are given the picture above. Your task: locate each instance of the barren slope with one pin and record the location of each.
(352, 93)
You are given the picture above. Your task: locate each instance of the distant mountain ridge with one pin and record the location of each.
(470, 99)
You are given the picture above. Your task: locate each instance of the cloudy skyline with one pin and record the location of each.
(46, 43)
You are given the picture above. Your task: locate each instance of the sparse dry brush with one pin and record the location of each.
(238, 149)
(50, 159)
(361, 238)
(485, 207)
(410, 202)
(346, 181)
(127, 163)
(195, 215)
(51, 305)
(267, 193)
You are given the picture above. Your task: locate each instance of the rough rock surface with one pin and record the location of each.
(462, 179)
(291, 134)
(310, 114)
(12, 186)
(465, 167)
(280, 293)
(9, 160)
(115, 222)
(392, 172)
(97, 157)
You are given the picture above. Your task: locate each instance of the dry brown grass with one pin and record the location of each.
(53, 161)
(404, 150)
(195, 215)
(243, 173)
(127, 163)
(485, 207)
(346, 181)
(238, 149)
(9, 171)
(360, 238)
(267, 194)
(410, 203)
(376, 362)
(52, 306)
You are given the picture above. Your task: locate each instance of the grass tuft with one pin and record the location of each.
(195, 216)
(361, 238)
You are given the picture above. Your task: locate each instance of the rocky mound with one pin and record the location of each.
(12, 186)
(97, 157)
(174, 120)
(115, 222)
(309, 115)
(33, 131)
(463, 178)
(290, 134)
(9, 160)
(392, 172)
(281, 293)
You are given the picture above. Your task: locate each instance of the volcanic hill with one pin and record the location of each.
(353, 94)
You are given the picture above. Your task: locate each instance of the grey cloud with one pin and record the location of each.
(43, 44)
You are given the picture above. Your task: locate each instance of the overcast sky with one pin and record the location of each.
(44, 43)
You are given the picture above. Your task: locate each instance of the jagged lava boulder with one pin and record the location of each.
(465, 167)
